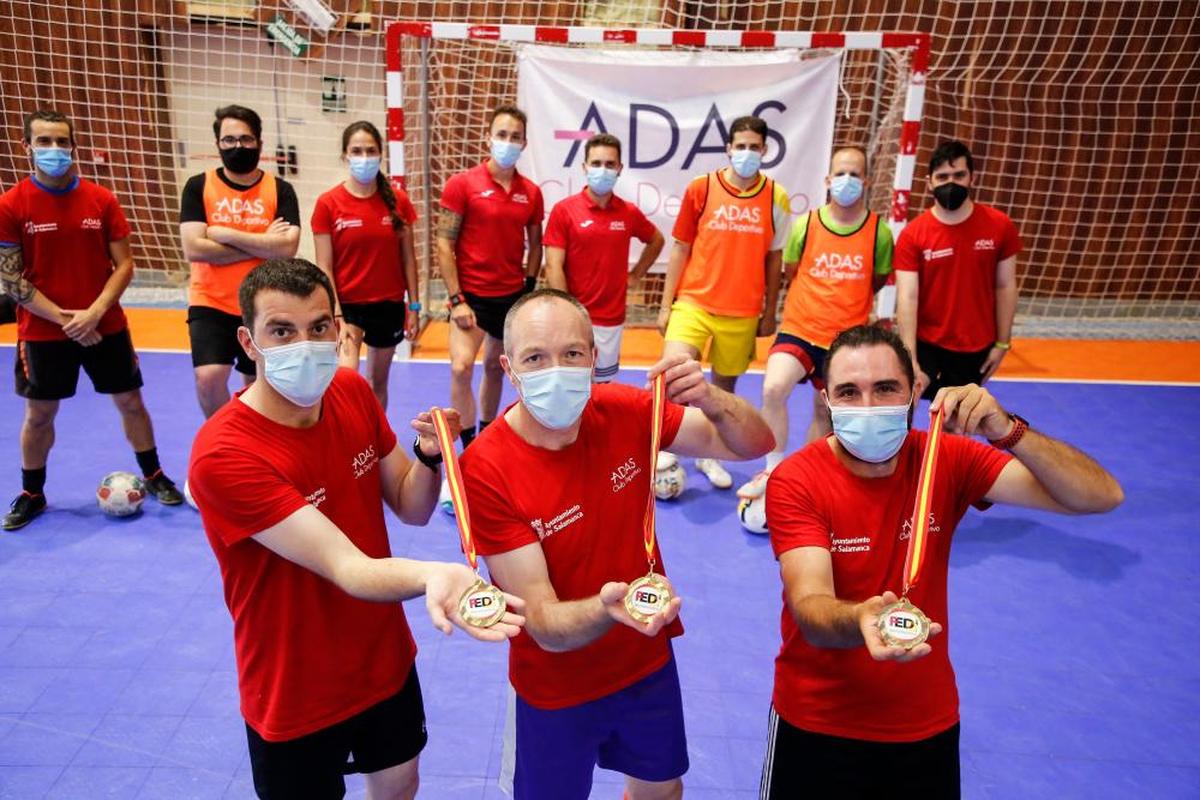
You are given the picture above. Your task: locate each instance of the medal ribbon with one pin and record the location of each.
(458, 495)
(659, 393)
(919, 534)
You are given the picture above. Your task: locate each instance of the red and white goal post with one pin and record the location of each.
(444, 77)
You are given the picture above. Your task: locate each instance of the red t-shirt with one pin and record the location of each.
(812, 500)
(585, 504)
(596, 241)
(490, 249)
(956, 307)
(64, 238)
(367, 263)
(308, 654)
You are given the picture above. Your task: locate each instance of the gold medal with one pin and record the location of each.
(647, 596)
(482, 604)
(903, 625)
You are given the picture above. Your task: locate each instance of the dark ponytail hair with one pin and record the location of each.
(381, 183)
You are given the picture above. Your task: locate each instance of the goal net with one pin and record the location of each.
(1080, 115)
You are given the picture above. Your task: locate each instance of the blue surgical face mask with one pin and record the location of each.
(364, 168)
(870, 433)
(53, 161)
(556, 396)
(601, 180)
(301, 371)
(745, 162)
(846, 190)
(505, 154)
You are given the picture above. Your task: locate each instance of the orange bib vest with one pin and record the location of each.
(832, 288)
(725, 272)
(251, 210)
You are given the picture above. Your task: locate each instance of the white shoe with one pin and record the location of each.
(716, 474)
(665, 460)
(447, 505)
(187, 495)
(755, 487)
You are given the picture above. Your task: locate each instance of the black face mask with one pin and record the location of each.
(951, 196)
(240, 160)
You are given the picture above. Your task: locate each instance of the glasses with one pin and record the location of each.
(233, 141)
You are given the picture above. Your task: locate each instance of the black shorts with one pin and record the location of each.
(491, 311)
(799, 763)
(312, 767)
(50, 370)
(811, 357)
(214, 339)
(948, 367)
(382, 323)
(8, 310)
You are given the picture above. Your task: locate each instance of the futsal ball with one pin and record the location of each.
(669, 482)
(752, 512)
(121, 494)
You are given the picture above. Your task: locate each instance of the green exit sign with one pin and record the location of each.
(279, 30)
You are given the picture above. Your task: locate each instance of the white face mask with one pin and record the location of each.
(555, 396)
(301, 371)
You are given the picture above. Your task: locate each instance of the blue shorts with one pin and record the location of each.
(637, 731)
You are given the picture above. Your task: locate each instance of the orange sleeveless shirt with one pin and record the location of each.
(832, 288)
(251, 210)
(725, 274)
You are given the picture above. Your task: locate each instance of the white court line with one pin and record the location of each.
(1098, 381)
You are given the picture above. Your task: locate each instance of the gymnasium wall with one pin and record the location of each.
(1080, 113)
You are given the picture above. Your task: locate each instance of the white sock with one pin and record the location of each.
(774, 458)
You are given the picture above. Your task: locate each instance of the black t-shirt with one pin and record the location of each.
(191, 205)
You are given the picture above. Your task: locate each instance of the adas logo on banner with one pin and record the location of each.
(672, 111)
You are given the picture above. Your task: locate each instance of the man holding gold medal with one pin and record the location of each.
(290, 478)
(863, 705)
(561, 506)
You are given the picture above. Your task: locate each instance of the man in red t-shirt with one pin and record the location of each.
(290, 478)
(587, 248)
(559, 487)
(489, 214)
(65, 260)
(852, 717)
(956, 285)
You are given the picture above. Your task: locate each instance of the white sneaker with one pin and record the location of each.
(665, 460)
(447, 505)
(755, 487)
(716, 474)
(187, 495)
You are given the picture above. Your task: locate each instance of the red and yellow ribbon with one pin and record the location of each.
(658, 391)
(919, 534)
(458, 494)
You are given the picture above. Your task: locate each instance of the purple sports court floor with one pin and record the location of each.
(1074, 638)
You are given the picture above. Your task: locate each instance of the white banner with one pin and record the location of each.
(671, 111)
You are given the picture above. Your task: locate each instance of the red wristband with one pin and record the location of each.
(1018, 431)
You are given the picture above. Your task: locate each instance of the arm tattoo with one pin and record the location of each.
(449, 224)
(12, 278)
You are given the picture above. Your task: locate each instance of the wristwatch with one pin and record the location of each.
(415, 307)
(433, 462)
(456, 299)
(1018, 430)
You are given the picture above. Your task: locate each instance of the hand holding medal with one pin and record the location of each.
(651, 594)
(482, 605)
(900, 623)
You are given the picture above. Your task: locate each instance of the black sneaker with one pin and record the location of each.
(163, 489)
(24, 509)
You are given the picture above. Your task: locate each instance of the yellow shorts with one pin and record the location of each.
(732, 337)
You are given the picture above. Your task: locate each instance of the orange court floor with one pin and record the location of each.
(1031, 359)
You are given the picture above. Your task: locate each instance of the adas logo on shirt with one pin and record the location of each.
(906, 528)
(624, 474)
(91, 224)
(364, 461)
(736, 218)
(985, 244)
(520, 198)
(239, 210)
(837, 267)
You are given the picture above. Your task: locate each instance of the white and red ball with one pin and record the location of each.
(121, 494)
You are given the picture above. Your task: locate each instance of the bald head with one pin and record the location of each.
(548, 328)
(848, 161)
